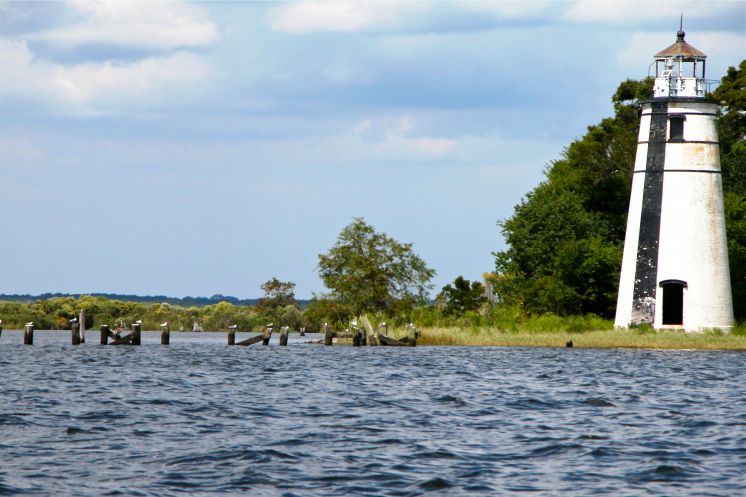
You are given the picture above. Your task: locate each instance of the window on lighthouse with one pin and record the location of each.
(676, 128)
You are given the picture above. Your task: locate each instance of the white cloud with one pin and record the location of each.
(509, 9)
(151, 25)
(349, 16)
(396, 137)
(88, 82)
(339, 16)
(617, 11)
(167, 29)
(15, 59)
(93, 83)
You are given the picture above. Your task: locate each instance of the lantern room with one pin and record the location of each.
(679, 70)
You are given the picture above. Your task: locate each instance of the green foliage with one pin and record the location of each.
(324, 309)
(560, 258)
(735, 224)
(370, 271)
(278, 294)
(732, 134)
(55, 314)
(462, 296)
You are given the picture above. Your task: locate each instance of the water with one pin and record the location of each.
(200, 418)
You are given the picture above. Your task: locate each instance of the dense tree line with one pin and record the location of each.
(144, 299)
(564, 240)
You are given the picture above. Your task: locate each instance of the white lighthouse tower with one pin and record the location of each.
(675, 270)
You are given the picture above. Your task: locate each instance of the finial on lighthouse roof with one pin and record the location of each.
(681, 49)
(680, 33)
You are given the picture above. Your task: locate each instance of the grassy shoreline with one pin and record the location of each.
(633, 339)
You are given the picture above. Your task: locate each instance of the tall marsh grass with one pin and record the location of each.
(599, 338)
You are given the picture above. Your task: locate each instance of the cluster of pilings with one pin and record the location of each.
(77, 333)
(359, 335)
(378, 336)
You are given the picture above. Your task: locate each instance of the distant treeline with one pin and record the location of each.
(144, 299)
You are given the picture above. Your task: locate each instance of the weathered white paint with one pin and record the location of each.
(692, 241)
(678, 86)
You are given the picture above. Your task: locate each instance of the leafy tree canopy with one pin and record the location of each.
(462, 296)
(564, 239)
(370, 271)
(277, 294)
(732, 134)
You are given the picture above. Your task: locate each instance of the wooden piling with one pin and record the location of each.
(284, 335)
(28, 334)
(136, 331)
(81, 326)
(75, 332)
(267, 336)
(165, 335)
(356, 337)
(328, 336)
(105, 334)
(301, 332)
(363, 336)
(231, 337)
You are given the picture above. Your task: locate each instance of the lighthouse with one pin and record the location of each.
(675, 272)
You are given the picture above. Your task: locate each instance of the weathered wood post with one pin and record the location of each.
(284, 335)
(356, 337)
(328, 335)
(363, 336)
(136, 330)
(412, 334)
(28, 334)
(165, 334)
(232, 334)
(267, 335)
(75, 332)
(301, 332)
(81, 326)
(105, 334)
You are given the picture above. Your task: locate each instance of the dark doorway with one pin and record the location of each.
(673, 302)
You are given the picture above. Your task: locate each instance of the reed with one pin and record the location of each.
(609, 338)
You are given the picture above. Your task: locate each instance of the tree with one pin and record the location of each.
(462, 296)
(325, 309)
(277, 294)
(564, 239)
(370, 271)
(732, 134)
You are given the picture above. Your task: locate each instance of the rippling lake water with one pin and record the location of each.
(200, 418)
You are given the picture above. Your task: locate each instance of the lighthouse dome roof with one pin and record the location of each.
(681, 49)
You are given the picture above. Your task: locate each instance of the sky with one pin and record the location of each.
(187, 148)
